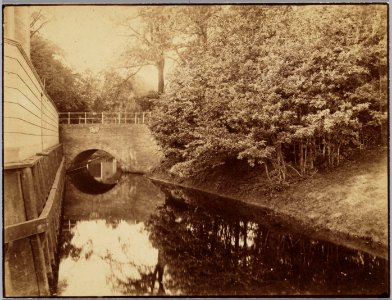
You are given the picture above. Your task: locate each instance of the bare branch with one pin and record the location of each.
(118, 86)
(38, 17)
(38, 29)
(172, 58)
(179, 55)
(129, 77)
(35, 18)
(140, 36)
(135, 66)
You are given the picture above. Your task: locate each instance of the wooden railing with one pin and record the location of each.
(37, 185)
(104, 117)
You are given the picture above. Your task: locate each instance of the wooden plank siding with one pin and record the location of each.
(30, 116)
(33, 173)
(33, 193)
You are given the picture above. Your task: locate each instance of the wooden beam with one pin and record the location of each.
(31, 161)
(39, 225)
(25, 229)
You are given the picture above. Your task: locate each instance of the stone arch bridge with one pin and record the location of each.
(131, 144)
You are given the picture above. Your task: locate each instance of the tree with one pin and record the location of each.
(37, 21)
(284, 87)
(60, 81)
(117, 93)
(153, 39)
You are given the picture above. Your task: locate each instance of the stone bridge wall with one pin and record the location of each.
(131, 144)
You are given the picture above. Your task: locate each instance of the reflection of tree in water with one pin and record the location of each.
(128, 272)
(67, 247)
(204, 253)
(128, 284)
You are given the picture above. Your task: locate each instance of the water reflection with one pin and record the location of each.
(106, 259)
(103, 170)
(94, 172)
(105, 248)
(210, 251)
(139, 239)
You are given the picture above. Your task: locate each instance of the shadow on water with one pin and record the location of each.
(140, 238)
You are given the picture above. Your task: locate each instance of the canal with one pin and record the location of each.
(126, 235)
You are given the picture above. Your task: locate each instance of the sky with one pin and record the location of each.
(91, 37)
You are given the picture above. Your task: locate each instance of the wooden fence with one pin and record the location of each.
(104, 117)
(33, 192)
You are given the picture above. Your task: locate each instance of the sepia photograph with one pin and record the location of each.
(195, 150)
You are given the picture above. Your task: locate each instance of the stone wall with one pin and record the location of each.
(131, 144)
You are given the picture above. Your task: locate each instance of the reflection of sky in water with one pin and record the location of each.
(109, 255)
(200, 248)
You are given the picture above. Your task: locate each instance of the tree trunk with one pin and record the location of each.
(338, 154)
(306, 158)
(161, 80)
(266, 171)
(383, 142)
(295, 154)
(312, 153)
(281, 166)
(301, 158)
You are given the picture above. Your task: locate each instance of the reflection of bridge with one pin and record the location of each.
(133, 198)
(131, 144)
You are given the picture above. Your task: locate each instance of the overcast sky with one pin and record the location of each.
(90, 36)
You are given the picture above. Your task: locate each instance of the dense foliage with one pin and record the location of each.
(73, 91)
(283, 87)
(60, 81)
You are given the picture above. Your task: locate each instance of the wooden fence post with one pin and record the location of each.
(102, 117)
(30, 201)
(143, 118)
(69, 118)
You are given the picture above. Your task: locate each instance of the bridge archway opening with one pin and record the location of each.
(94, 171)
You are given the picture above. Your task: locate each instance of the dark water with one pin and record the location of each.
(141, 238)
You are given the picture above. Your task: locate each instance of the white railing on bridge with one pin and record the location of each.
(104, 117)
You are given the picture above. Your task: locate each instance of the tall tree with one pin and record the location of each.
(152, 36)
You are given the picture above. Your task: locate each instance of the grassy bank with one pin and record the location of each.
(347, 205)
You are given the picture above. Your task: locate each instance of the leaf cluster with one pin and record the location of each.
(282, 85)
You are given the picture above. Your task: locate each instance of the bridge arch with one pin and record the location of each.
(83, 157)
(94, 171)
(131, 144)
